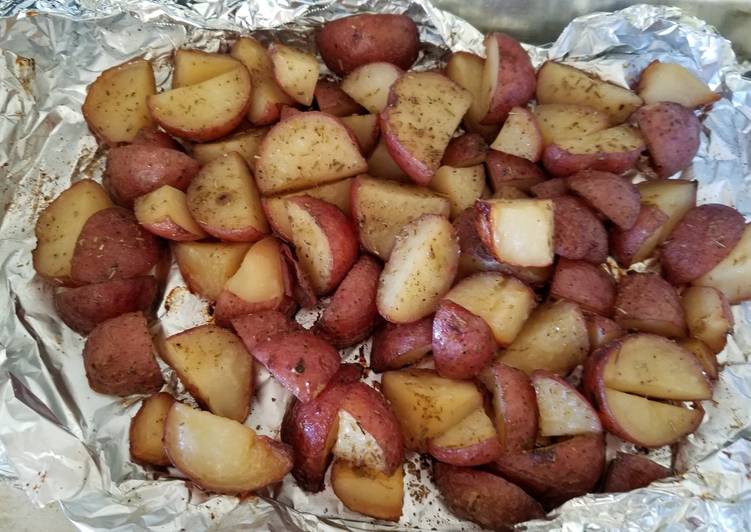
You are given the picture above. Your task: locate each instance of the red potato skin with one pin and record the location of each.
(350, 42)
(585, 284)
(302, 291)
(626, 243)
(168, 229)
(307, 426)
(259, 327)
(647, 296)
(672, 133)
(154, 137)
(138, 169)
(602, 330)
(229, 306)
(119, 357)
(352, 313)
(505, 169)
(472, 455)
(113, 246)
(287, 111)
(466, 150)
(516, 79)
(463, 344)
(85, 307)
(610, 194)
(579, 234)
(394, 340)
(632, 471)
(703, 237)
(560, 162)
(552, 188)
(333, 100)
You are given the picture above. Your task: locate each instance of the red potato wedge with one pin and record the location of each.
(222, 455)
(587, 285)
(325, 241)
(246, 143)
(508, 78)
(399, 345)
(701, 240)
(262, 326)
(507, 192)
(462, 186)
(646, 302)
(224, 386)
(331, 99)
(424, 110)
(383, 166)
(427, 405)
(195, 66)
(207, 266)
(367, 491)
(466, 70)
(366, 130)
(302, 289)
(611, 150)
(352, 314)
(505, 169)
(633, 245)
(484, 498)
(518, 232)
(266, 97)
(514, 406)
(471, 442)
(164, 212)
(610, 194)
(138, 169)
(674, 197)
(224, 101)
(554, 338)
(731, 275)
(119, 357)
(579, 234)
(669, 82)
(323, 150)
(83, 308)
(112, 245)
(602, 331)
(295, 71)
(703, 354)
(559, 83)
(369, 85)
(552, 188)
(632, 471)
(708, 315)
(155, 137)
(350, 42)
(563, 410)
(520, 135)
(59, 226)
(557, 472)
(672, 134)
(147, 429)
(463, 344)
(381, 208)
(420, 270)
(115, 108)
(466, 150)
(560, 121)
(311, 428)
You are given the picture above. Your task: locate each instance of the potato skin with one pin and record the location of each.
(463, 344)
(259, 327)
(552, 188)
(333, 100)
(610, 194)
(84, 307)
(585, 284)
(395, 340)
(671, 132)
(516, 79)
(467, 150)
(229, 306)
(632, 471)
(150, 136)
(505, 169)
(626, 243)
(579, 235)
(138, 169)
(602, 331)
(560, 162)
(119, 357)
(651, 301)
(706, 235)
(484, 498)
(349, 42)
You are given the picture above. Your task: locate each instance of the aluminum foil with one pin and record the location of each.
(60, 441)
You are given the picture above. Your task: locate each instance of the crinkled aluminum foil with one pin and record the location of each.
(61, 441)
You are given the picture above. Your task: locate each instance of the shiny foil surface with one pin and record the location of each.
(61, 441)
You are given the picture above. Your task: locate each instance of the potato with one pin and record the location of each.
(465, 150)
(552, 188)
(466, 70)
(59, 226)
(632, 471)
(674, 197)
(204, 111)
(147, 429)
(323, 150)
(222, 455)
(295, 71)
(520, 135)
(352, 314)
(349, 42)
(119, 357)
(258, 327)
(369, 85)
(708, 315)
(366, 130)
(559, 83)
(424, 110)
(367, 491)
(554, 338)
(473, 441)
(382, 165)
(559, 121)
(302, 287)
(381, 208)
(164, 212)
(579, 234)
(587, 285)
(115, 107)
(151, 136)
(602, 330)
(610, 194)
(633, 245)
(462, 186)
(207, 266)
(267, 97)
(84, 307)
(508, 192)
(399, 345)
(672, 135)
(701, 240)
(646, 302)
(225, 385)
(484, 498)
(703, 354)
(246, 143)
(112, 245)
(563, 410)
(194, 66)
(331, 99)
(731, 275)
(508, 77)
(463, 344)
(669, 82)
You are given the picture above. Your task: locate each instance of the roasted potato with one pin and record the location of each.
(731, 275)
(559, 121)
(520, 135)
(195, 66)
(331, 99)
(563, 410)
(646, 302)
(505, 169)
(147, 429)
(587, 285)
(670, 82)
(463, 344)
(551, 188)
(207, 266)
(370, 84)
(295, 71)
(632, 471)
(259, 327)
(708, 315)
(610, 194)
(462, 186)
(369, 491)
(602, 330)
(164, 212)
(579, 234)
(671, 133)
(473, 441)
(635, 244)
(245, 142)
(466, 69)
(466, 150)
(399, 345)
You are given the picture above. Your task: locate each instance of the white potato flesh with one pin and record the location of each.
(466, 70)
(520, 136)
(462, 186)
(473, 429)
(365, 128)
(295, 71)
(522, 231)
(369, 85)
(163, 205)
(669, 82)
(674, 197)
(356, 445)
(195, 66)
(312, 245)
(619, 139)
(732, 276)
(563, 410)
(260, 276)
(246, 143)
(560, 121)
(207, 266)
(708, 315)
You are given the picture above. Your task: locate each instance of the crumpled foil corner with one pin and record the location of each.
(60, 441)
